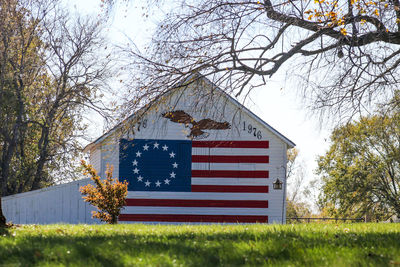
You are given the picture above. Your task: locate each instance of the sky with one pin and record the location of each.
(278, 103)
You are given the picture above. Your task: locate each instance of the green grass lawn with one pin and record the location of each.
(202, 245)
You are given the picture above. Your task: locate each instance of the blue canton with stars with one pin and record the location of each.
(156, 165)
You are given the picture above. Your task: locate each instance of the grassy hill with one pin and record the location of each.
(202, 245)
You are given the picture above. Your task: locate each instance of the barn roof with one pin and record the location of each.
(266, 125)
(234, 101)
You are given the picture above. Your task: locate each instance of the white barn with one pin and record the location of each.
(194, 155)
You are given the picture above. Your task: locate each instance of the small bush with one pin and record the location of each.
(108, 196)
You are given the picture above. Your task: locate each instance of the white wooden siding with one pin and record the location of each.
(110, 157)
(56, 204)
(95, 159)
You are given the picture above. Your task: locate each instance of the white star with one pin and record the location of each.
(158, 183)
(145, 147)
(172, 174)
(136, 170)
(138, 154)
(147, 183)
(134, 162)
(166, 181)
(156, 145)
(165, 148)
(172, 154)
(175, 165)
(140, 178)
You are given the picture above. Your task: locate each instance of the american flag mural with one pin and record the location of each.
(195, 181)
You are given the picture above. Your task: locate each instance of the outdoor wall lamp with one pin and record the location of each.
(277, 184)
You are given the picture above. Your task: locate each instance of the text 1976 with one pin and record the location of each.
(252, 130)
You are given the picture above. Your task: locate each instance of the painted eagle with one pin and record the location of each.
(196, 127)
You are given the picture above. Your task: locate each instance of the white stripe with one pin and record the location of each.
(194, 210)
(230, 151)
(198, 195)
(229, 181)
(230, 166)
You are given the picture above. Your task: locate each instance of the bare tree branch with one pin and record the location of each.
(239, 45)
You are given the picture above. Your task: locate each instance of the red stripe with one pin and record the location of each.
(231, 144)
(230, 159)
(198, 203)
(193, 218)
(230, 188)
(230, 174)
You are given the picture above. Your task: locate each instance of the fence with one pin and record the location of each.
(308, 220)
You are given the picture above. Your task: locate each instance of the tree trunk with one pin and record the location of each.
(43, 146)
(38, 174)
(9, 152)
(2, 217)
(114, 219)
(5, 170)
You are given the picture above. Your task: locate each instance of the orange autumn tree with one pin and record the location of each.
(108, 196)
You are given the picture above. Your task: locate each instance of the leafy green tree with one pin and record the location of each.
(361, 170)
(50, 72)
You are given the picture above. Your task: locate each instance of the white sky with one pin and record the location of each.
(278, 104)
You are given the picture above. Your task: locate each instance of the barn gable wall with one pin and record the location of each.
(201, 104)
